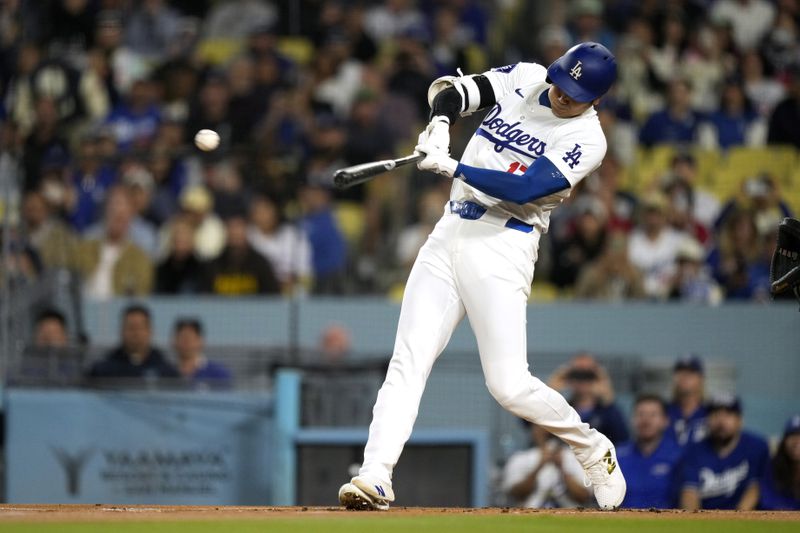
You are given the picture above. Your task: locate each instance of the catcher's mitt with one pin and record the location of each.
(784, 273)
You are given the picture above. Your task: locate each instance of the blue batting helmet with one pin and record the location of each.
(585, 72)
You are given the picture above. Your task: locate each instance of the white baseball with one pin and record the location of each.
(206, 140)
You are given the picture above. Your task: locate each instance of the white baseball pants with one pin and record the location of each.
(483, 270)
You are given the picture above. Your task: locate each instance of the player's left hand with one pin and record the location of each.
(438, 133)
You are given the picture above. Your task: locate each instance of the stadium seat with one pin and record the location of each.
(219, 51)
(708, 164)
(299, 49)
(777, 161)
(350, 219)
(543, 291)
(741, 163)
(651, 164)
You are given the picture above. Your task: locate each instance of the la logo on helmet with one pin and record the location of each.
(576, 71)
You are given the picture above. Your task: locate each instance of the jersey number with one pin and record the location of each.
(517, 166)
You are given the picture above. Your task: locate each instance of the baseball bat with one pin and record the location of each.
(348, 177)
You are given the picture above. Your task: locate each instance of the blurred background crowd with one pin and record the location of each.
(101, 99)
(103, 194)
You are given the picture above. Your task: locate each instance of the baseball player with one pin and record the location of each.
(540, 138)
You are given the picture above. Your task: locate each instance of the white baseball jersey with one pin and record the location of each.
(518, 130)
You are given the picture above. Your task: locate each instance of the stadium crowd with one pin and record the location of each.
(691, 452)
(101, 99)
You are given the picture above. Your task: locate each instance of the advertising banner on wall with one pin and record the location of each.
(138, 447)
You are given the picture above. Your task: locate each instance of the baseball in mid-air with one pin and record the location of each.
(206, 140)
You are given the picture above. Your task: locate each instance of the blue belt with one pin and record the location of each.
(473, 211)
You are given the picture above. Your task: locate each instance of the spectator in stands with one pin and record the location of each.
(126, 66)
(736, 122)
(335, 344)
(606, 186)
(90, 183)
(723, 470)
(586, 23)
(665, 58)
(692, 282)
(239, 270)
(249, 96)
(780, 47)
(197, 205)
(135, 357)
(707, 62)
(135, 120)
(49, 359)
(612, 277)
(583, 244)
(683, 178)
(169, 179)
(44, 144)
(369, 137)
(677, 124)
(764, 92)
(136, 185)
(651, 460)
(69, 25)
(680, 211)
(181, 271)
(328, 248)
(760, 195)
(784, 124)
(50, 237)
(653, 246)
(138, 182)
(112, 264)
(545, 475)
(20, 59)
(750, 20)
(687, 412)
(592, 395)
(737, 251)
(50, 330)
(283, 244)
(780, 486)
(337, 76)
(152, 30)
(236, 19)
(390, 19)
(188, 342)
(211, 111)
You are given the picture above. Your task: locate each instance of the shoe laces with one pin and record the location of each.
(594, 475)
(599, 472)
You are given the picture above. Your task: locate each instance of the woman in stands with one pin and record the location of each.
(780, 488)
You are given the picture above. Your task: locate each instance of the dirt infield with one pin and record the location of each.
(103, 513)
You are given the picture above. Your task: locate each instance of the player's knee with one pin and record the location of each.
(509, 394)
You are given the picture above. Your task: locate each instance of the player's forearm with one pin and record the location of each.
(749, 498)
(542, 179)
(465, 95)
(690, 499)
(524, 488)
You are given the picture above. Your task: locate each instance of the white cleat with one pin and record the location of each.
(364, 493)
(605, 477)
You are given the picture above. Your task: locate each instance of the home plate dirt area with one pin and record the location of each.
(101, 512)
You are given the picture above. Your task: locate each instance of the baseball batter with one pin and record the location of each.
(541, 137)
